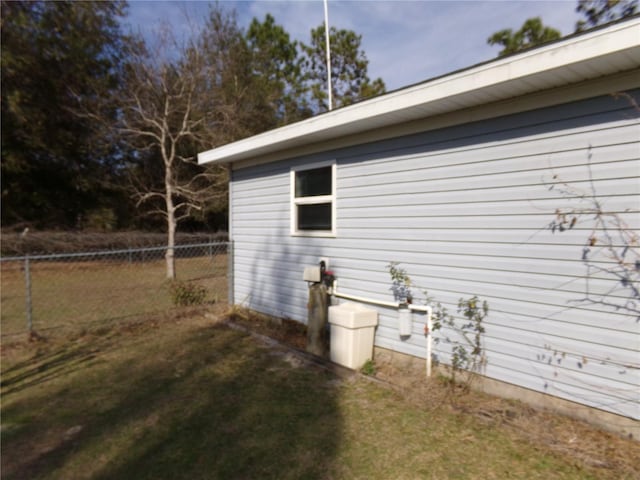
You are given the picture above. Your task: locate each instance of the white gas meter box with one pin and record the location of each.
(311, 274)
(352, 334)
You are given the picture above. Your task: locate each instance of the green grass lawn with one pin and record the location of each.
(187, 398)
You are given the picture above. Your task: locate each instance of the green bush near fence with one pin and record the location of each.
(184, 294)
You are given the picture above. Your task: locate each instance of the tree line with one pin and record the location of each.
(533, 32)
(100, 127)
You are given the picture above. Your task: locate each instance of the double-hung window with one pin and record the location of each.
(313, 200)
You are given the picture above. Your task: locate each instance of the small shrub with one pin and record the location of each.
(184, 294)
(467, 353)
(369, 368)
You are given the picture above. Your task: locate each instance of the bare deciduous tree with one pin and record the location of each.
(177, 100)
(162, 115)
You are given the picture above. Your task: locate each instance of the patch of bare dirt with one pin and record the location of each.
(284, 330)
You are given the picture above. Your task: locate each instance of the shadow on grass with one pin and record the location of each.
(205, 403)
(42, 369)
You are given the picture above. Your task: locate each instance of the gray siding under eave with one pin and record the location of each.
(466, 210)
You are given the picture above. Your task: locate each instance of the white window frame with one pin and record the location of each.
(312, 201)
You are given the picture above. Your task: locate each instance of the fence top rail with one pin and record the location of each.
(55, 256)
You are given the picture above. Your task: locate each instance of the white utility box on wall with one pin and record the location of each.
(352, 333)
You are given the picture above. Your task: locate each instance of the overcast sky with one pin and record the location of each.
(405, 41)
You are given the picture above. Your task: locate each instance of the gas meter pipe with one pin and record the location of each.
(417, 308)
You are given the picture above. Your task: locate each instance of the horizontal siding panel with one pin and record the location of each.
(541, 285)
(618, 385)
(614, 145)
(621, 405)
(258, 173)
(540, 191)
(582, 386)
(388, 338)
(378, 281)
(482, 253)
(248, 192)
(466, 210)
(276, 183)
(586, 380)
(296, 311)
(272, 215)
(537, 376)
(569, 277)
(471, 221)
(532, 167)
(616, 351)
(258, 298)
(500, 243)
(563, 271)
(570, 364)
(513, 128)
(528, 316)
(259, 198)
(487, 271)
(385, 250)
(580, 176)
(538, 243)
(545, 347)
(431, 266)
(553, 302)
(617, 204)
(610, 144)
(540, 321)
(282, 208)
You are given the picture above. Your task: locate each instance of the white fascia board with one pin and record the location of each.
(439, 95)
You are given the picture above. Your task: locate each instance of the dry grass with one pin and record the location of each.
(609, 455)
(287, 331)
(67, 296)
(185, 397)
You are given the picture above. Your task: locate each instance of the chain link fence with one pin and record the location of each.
(52, 292)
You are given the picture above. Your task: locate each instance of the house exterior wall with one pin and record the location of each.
(466, 210)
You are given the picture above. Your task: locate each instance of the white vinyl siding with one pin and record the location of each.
(465, 210)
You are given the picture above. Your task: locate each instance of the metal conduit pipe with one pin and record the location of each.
(417, 308)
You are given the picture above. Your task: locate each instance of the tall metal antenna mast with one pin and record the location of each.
(326, 34)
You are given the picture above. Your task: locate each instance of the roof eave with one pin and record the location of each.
(595, 54)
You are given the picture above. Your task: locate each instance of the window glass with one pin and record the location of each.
(310, 183)
(314, 217)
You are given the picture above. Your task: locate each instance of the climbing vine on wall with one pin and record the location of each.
(611, 248)
(464, 332)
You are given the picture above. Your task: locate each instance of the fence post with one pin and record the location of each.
(27, 284)
(230, 271)
(130, 254)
